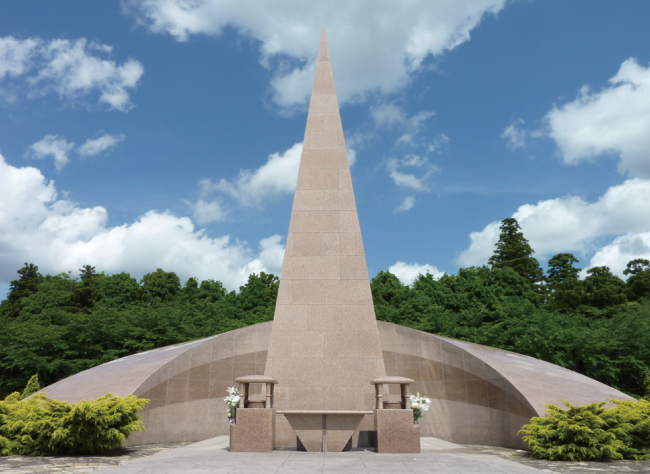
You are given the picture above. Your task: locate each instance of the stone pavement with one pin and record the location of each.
(213, 456)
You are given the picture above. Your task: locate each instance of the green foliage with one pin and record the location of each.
(67, 325)
(567, 291)
(498, 308)
(638, 284)
(31, 388)
(646, 384)
(514, 251)
(591, 432)
(41, 426)
(603, 289)
(575, 434)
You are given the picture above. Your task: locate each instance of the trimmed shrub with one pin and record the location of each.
(591, 432)
(40, 426)
(632, 421)
(31, 388)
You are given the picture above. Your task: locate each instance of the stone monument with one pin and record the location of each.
(324, 346)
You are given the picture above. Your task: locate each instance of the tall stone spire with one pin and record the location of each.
(324, 347)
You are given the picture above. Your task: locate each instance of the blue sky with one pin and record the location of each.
(139, 135)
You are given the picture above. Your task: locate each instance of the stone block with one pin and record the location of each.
(335, 158)
(323, 104)
(323, 179)
(307, 344)
(315, 122)
(323, 317)
(325, 268)
(354, 267)
(340, 292)
(304, 179)
(396, 432)
(324, 221)
(306, 292)
(332, 122)
(254, 431)
(312, 159)
(348, 246)
(349, 221)
(345, 180)
(295, 268)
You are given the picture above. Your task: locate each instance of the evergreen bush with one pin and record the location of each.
(591, 432)
(40, 426)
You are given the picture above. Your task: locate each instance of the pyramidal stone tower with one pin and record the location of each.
(324, 346)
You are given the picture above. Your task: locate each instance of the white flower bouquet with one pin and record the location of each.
(419, 404)
(232, 400)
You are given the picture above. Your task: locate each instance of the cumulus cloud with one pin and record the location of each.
(54, 146)
(95, 146)
(407, 203)
(408, 272)
(570, 224)
(375, 46)
(420, 170)
(69, 68)
(276, 177)
(617, 254)
(615, 120)
(59, 236)
(206, 212)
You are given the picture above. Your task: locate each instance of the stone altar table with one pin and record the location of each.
(324, 430)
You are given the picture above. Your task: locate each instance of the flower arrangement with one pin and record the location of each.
(232, 400)
(420, 404)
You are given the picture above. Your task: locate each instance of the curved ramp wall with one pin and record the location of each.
(480, 395)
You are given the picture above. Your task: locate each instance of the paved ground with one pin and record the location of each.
(212, 456)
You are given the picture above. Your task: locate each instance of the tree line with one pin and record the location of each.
(58, 325)
(598, 326)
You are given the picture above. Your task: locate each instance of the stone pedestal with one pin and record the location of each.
(254, 431)
(396, 432)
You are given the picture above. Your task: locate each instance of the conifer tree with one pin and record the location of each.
(567, 290)
(514, 251)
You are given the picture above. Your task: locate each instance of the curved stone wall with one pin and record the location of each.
(480, 395)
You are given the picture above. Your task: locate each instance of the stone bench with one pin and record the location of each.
(324, 430)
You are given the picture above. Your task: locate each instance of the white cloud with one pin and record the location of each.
(615, 120)
(270, 258)
(276, 177)
(570, 224)
(69, 68)
(375, 46)
(95, 146)
(352, 157)
(389, 115)
(418, 164)
(15, 55)
(514, 135)
(408, 272)
(53, 146)
(407, 203)
(623, 249)
(206, 212)
(59, 236)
